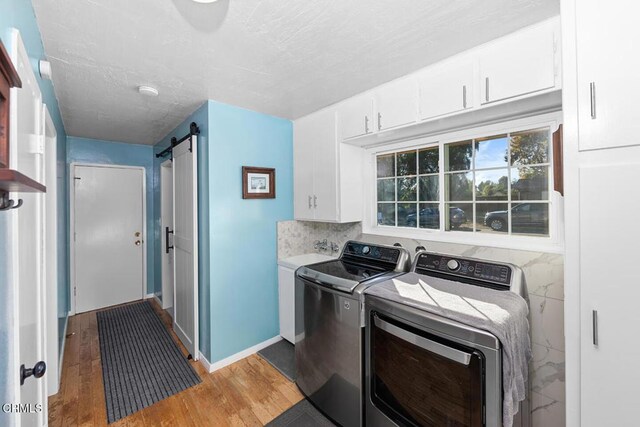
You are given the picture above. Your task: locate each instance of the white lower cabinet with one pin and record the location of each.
(286, 299)
(327, 174)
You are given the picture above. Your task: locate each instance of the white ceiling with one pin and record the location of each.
(282, 57)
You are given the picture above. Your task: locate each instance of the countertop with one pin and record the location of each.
(299, 260)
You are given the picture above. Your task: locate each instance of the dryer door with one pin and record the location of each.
(422, 379)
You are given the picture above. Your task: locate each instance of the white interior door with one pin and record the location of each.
(51, 254)
(166, 206)
(185, 243)
(108, 227)
(28, 235)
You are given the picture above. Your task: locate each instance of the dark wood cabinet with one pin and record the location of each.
(10, 180)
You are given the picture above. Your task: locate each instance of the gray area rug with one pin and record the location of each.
(302, 414)
(141, 364)
(282, 356)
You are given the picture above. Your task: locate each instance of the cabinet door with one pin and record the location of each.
(303, 141)
(286, 293)
(446, 90)
(608, 62)
(519, 64)
(396, 104)
(356, 117)
(325, 162)
(608, 284)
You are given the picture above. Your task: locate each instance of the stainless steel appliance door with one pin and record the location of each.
(328, 351)
(422, 380)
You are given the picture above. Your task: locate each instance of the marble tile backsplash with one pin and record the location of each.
(297, 237)
(544, 273)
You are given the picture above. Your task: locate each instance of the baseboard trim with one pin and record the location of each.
(212, 367)
(61, 358)
(151, 295)
(203, 360)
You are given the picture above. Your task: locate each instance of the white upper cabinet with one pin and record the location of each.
(608, 64)
(397, 104)
(303, 142)
(356, 117)
(327, 175)
(446, 89)
(521, 63)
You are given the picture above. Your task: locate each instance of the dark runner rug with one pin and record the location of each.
(282, 356)
(141, 364)
(302, 414)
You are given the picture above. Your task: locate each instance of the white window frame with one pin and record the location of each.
(553, 243)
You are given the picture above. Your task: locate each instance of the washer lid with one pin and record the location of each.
(339, 274)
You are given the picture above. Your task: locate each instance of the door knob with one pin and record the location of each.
(37, 371)
(138, 242)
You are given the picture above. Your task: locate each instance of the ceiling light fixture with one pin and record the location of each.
(205, 1)
(148, 90)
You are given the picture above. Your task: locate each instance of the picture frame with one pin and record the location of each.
(258, 183)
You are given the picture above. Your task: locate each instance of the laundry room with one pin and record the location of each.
(281, 213)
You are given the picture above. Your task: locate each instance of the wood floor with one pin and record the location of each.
(248, 393)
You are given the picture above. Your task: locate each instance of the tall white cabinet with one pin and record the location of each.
(602, 169)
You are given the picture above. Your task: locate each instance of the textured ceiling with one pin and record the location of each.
(282, 57)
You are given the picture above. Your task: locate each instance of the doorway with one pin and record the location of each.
(108, 249)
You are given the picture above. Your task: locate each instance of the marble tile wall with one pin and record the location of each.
(544, 273)
(297, 237)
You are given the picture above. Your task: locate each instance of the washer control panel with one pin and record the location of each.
(492, 273)
(380, 253)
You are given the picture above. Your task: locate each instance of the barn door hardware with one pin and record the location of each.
(193, 130)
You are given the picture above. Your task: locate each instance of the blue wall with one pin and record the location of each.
(244, 297)
(83, 150)
(201, 118)
(19, 14)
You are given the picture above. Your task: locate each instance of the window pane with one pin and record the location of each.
(459, 186)
(407, 190)
(407, 163)
(428, 160)
(386, 214)
(429, 216)
(530, 148)
(530, 183)
(492, 185)
(458, 216)
(491, 152)
(429, 188)
(457, 156)
(386, 166)
(387, 190)
(406, 211)
(530, 218)
(492, 218)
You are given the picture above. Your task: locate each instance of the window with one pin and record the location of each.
(491, 185)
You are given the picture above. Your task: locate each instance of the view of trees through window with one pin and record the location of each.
(497, 184)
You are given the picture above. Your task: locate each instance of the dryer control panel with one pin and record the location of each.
(464, 269)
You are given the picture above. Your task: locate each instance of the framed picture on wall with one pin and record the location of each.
(258, 183)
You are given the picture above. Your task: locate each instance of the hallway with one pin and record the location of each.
(249, 392)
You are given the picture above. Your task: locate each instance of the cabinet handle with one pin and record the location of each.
(315, 202)
(464, 96)
(309, 202)
(379, 121)
(592, 89)
(486, 89)
(366, 124)
(594, 318)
